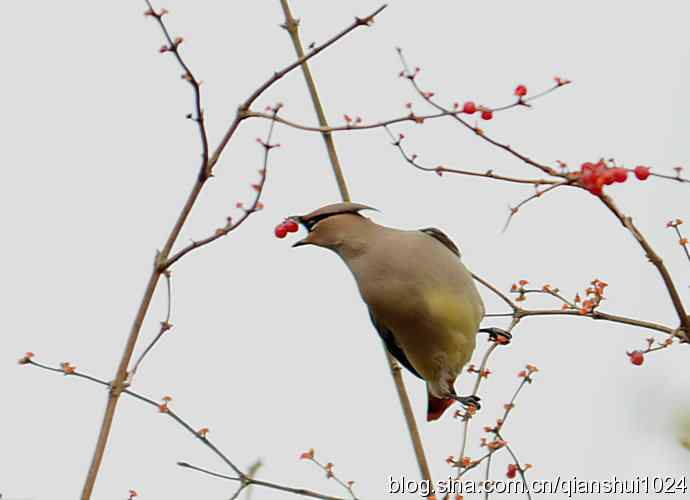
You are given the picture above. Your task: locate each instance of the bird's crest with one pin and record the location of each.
(310, 219)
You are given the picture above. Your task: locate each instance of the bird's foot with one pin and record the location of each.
(468, 401)
(498, 335)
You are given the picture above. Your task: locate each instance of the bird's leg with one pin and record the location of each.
(466, 401)
(497, 334)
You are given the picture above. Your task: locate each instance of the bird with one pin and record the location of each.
(421, 299)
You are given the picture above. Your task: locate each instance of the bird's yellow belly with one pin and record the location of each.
(440, 341)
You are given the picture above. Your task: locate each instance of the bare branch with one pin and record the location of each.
(682, 239)
(164, 327)
(656, 261)
(292, 27)
(411, 76)
(350, 127)
(538, 194)
(173, 47)
(596, 314)
(250, 481)
(244, 107)
(440, 170)
(255, 206)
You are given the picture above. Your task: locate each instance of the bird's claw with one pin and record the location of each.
(467, 401)
(498, 335)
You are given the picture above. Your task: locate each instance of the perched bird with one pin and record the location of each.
(421, 298)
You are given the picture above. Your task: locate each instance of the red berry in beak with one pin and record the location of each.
(291, 226)
(281, 231)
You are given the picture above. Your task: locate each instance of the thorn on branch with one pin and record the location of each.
(154, 14)
(364, 21)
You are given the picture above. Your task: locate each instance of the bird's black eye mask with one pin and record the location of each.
(313, 221)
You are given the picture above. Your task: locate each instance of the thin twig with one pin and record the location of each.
(74, 373)
(475, 390)
(440, 170)
(682, 239)
(524, 158)
(258, 482)
(238, 492)
(495, 290)
(164, 327)
(499, 442)
(173, 47)
(538, 194)
(520, 468)
(520, 312)
(255, 206)
(410, 117)
(246, 105)
(656, 261)
(598, 315)
(487, 474)
(328, 469)
(677, 177)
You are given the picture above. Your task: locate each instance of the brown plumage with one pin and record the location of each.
(421, 298)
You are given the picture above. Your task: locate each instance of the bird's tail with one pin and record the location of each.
(436, 407)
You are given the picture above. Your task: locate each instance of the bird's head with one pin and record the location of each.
(329, 226)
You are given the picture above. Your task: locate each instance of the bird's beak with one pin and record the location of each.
(302, 242)
(306, 240)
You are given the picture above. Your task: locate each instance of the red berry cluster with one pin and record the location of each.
(285, 227)
(594, 176)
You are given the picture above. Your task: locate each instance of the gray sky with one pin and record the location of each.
(272, 348)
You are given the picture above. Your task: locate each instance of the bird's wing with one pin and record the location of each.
(440, 236)
(392, 345)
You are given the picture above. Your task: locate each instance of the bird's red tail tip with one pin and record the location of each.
(436, 407)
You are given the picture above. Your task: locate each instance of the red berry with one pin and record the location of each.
(521, 91)
(587, 167)
(620, 174)
(636, 358)
(641, 172)
(600, 167)
(291, 226)
(281, 231)
(487, 114)
(597, 188)
(512, 471)
(587, 179)
(608, 176)
(469, 107)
